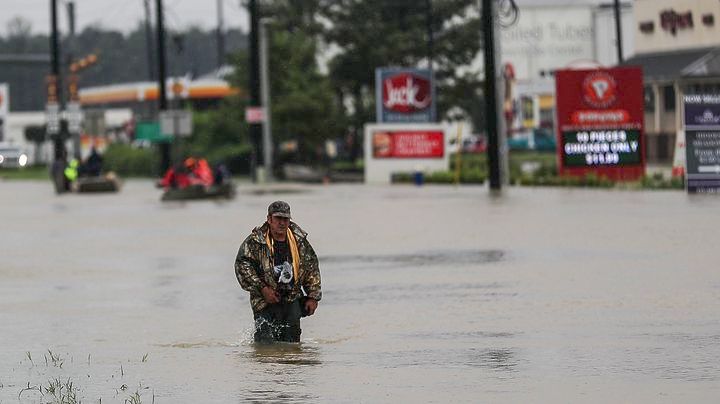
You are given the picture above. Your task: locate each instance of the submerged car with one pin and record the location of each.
(538, 139)
(469, 144)
(12, 157)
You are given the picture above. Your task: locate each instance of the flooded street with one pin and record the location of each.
(430, 294)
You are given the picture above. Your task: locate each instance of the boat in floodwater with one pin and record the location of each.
(103, 183)
(196, 192)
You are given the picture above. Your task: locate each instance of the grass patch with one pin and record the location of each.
(59, 389)
(61, 392)
(38, 172)
(531, 168)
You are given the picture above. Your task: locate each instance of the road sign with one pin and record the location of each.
(74, 117)
(176, 123)
(702, 143)
(94, 122)
(255, 114)
(52, 117)
(4, 99)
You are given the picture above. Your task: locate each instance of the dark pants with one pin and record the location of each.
(278, 322)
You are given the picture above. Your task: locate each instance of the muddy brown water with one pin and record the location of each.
(432, 294)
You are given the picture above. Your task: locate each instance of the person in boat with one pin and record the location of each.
(176, 177)
(71, 173)
(275, 264)
(199, 171)
(202, 173)
(93, 164)
(221, 174)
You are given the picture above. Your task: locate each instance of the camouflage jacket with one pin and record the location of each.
(254, 259)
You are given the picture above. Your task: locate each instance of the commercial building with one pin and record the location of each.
(677, 43)
(555, 34)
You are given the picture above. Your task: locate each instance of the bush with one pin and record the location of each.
(657, 181)
(128, 161)
(236, 158)
(442, 177)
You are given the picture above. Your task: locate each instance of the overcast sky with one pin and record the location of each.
(123, 15)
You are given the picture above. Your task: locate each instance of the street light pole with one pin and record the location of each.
(59, 144)
(148, 42)
(618, 31)
(265, 90)
(162, 92)
(255, 96)
(72, 78)
(492, 112)
(430, 36)
(220, 35)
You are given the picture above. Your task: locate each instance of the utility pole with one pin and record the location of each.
(53, 107)
(430, 36)
(162, 93)
(56, 80)
(220, 35)
(72, 104)
(265, 90)
(149, 42)
(492, 112)
(255, 97)
(618, 31)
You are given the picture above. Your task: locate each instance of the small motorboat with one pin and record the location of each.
(195, 192)
(101, 183)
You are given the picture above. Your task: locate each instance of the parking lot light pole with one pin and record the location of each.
(257, 160)
(265, 94)
(491, 95)
(162, 92)
(618, 31)
(59, 144)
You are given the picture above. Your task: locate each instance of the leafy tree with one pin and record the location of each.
(19, 34)
(36, 134)
(303, 106)
(377, 33)
(221, 136)
(121, 57)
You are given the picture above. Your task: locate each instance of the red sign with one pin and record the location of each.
(408, 144)
(600, 89)
(600, 119)
(406, 92)
(255, 114)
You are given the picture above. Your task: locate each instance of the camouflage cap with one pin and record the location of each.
(279, 208)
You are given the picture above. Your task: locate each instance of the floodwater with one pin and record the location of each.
(431, 294)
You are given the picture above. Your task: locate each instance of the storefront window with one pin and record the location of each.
(649, 99)
(669, 97)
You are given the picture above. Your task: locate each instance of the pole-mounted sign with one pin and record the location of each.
(702, 143)
(404, 95)
(600, 120)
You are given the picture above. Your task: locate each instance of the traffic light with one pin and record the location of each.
(83, 63)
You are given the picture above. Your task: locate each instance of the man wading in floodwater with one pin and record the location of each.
(273, 262)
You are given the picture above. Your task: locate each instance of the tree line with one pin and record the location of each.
(322, 60)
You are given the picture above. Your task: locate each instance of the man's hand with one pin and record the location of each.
(270, 295)
(310, 306)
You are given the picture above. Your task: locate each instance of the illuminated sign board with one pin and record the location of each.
(600, 122)
(601, 148)
(702, 143)
(404, 95)
(408, 144)
(391, 148)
